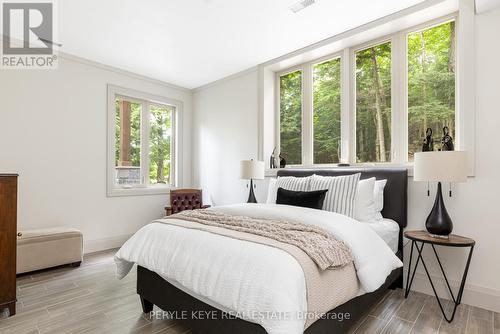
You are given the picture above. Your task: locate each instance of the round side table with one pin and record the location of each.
(421, 238)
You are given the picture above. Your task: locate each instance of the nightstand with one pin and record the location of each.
(424, 238)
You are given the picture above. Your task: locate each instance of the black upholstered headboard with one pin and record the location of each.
(395, 192)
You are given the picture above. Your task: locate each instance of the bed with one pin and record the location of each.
(206, 316)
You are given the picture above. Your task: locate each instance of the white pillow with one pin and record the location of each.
(378, 200)
(378, 195)
(364, 209)
(341, 193)
(286, 182)
(271, 191)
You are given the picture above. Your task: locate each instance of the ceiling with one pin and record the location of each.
(190, 43)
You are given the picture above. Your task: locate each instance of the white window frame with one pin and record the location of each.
(307, 106)
(399, 99)
(145, 99)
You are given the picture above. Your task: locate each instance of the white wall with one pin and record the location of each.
(53, 133)
(226, 123)
(225, 132)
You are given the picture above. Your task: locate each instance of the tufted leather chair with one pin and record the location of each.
(185, 199)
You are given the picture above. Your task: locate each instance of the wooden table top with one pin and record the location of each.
(453, 240)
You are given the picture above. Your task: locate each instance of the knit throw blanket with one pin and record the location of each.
(321, 246)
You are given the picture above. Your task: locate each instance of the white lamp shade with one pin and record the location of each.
(251, 169)
(444, 166)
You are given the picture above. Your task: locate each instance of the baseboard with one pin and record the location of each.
(474, 295)
(96, 245)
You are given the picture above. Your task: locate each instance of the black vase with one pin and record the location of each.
(439, 222)
(251, 194)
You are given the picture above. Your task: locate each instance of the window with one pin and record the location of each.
(128, 141)
(160, 143)
(142, 142)
(291, 117)
(326, 109)
(431, 86)
(371, 103)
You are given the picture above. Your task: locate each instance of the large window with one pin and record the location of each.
(142, 142)
(373, 104)
(379, 102)
(431, 87)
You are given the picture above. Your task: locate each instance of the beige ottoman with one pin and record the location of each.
(48, 247)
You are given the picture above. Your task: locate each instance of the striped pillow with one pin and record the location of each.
(293, 183)
(286, 182)
(341, 193)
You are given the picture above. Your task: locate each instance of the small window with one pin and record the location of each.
(431, 87)
(373, 104)
(291, 117)
(142, 142)
(326, 111)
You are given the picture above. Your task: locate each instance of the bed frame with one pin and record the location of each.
(154, 290)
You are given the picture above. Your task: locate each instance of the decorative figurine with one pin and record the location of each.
(428, 141)
(272, 160)
(447, 141)
(282, 162)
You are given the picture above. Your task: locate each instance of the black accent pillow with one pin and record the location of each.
(306, 199)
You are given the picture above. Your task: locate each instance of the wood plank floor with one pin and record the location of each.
(89, 299)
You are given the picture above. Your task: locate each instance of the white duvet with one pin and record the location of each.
(258, 283)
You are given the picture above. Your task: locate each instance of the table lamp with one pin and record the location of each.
(251, 170)
(440, 166)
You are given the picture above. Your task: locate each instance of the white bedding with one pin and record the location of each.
(388, 230)
(248, 278)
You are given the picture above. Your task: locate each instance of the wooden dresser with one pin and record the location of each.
(8, 240)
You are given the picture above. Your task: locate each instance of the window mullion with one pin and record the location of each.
(145, 143)
(399, 120)
(307, 115)
(351, 145)
(345, 113)
(173, 147)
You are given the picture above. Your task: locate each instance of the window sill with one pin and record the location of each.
(140, 191)
(409, 166)
(274, 172)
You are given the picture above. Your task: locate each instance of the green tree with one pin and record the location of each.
(135, 133)
(431, 84)
(291, 117)
(160, 136)
(431, 99)
(373, 104)
(327, 109)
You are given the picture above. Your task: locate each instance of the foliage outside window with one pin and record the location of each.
(312, 104)
(291, 117)
(127, 141)
(431, 85)
(160, 143)
(326, 111)
(144, 143)
(373, 104)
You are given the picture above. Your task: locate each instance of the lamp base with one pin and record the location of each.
(438, 222)
(251, 195)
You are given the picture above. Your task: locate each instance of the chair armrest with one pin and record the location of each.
(168, 211)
